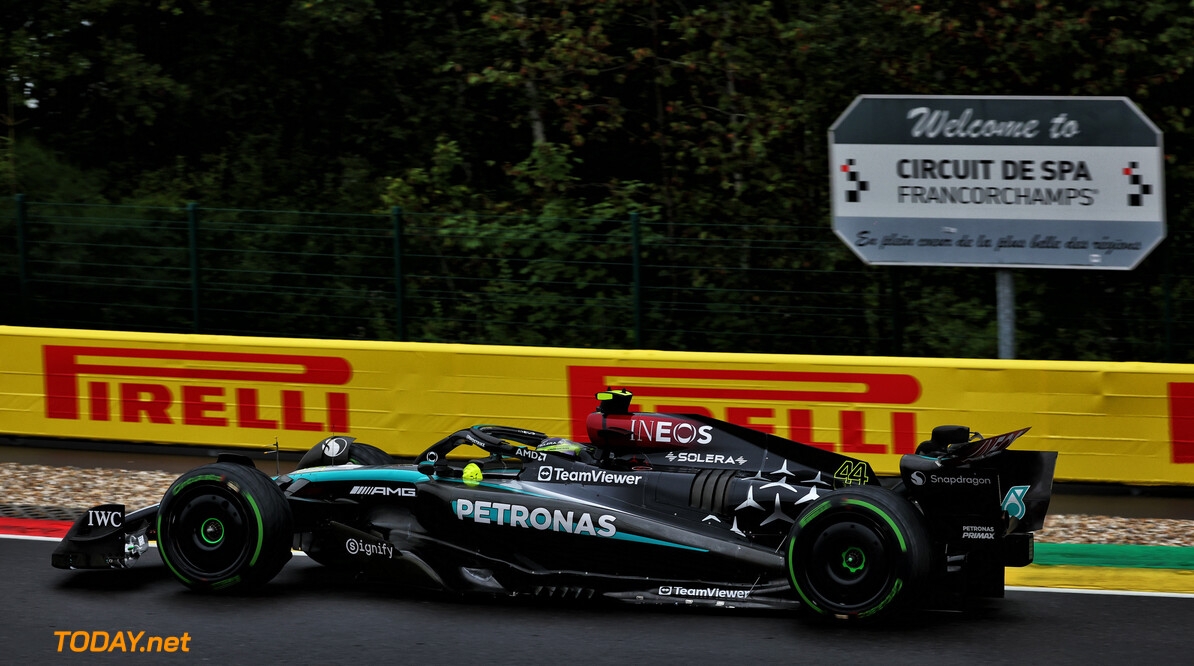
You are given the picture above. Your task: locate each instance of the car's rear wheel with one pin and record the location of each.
(859, 553)
(224, 527)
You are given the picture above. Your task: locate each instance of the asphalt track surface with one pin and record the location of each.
(310, 614)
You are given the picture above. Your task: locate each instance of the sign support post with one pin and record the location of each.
(1005, 311)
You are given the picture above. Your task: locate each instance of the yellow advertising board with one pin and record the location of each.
(1122, 422)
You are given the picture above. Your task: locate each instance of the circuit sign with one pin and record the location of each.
(1057, 182)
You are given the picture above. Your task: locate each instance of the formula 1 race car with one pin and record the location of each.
(655, 508)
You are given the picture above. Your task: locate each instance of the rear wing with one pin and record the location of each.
(957, 465)
(954, 445)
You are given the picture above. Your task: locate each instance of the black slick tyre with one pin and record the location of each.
(224, 527)
(859, 553)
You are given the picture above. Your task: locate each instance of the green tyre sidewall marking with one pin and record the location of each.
(201, 477)
(260, 530)
(808, 517)
(162, 552)
(813, 513)
(795, 583)
(895, 589)
(218, 585)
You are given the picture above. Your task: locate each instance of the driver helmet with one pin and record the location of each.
(561, 445)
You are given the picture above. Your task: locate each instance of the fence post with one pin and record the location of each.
(22, 261)
(399, 290)
(636, 265)
(193, 251)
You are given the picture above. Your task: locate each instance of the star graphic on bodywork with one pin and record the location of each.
(735, 529)
(710, 517)
(781, 484)
(817, 479)
(784, 471)
(778, 514)
(750, 500)
(812, 495)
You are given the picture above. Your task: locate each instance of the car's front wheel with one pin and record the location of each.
(858, 553)
(224, 527)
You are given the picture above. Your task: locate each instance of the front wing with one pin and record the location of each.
(104, 537)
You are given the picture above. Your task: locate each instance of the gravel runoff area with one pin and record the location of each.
(62, 493)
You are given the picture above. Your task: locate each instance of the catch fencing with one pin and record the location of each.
(772, 286)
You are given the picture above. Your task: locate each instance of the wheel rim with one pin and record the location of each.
(208, 536)
(846, 565)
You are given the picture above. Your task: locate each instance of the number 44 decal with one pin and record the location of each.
(852, 472)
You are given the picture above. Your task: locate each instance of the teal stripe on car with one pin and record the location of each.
(622, 536)
(361, 474)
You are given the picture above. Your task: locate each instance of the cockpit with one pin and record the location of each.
(508, 449)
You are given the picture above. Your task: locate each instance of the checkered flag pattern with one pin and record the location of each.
(858, 184)
(1137, 198)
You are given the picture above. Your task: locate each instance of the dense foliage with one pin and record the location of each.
(707, 119)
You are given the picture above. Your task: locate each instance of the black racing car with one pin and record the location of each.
(655, 508)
